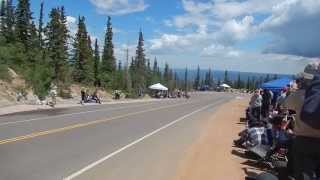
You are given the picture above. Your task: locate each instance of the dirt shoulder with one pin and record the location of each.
(212, 156)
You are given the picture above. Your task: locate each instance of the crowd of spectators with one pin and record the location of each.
(283, 129)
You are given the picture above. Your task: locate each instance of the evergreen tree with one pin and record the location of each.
(238, 83)
(186, 80)
(23, 22)
(119, 66)
(10, 22)
(248, 84)
(57, 47)
(139, 80)
(209, 79)
(127, 79)
(40, 28)
(82, 72)
(96, 63)
(108, 60)
(3, 16)
(275, 77)
(196, 85)
(219, 81)
(156, 74)
(166, 75)
(267, 79)
(226, 77)
(7, 20)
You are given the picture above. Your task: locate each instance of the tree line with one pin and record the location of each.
(46, 54)
(209, 82)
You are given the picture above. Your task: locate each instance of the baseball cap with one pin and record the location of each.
(310, 70)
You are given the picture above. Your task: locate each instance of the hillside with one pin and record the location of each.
(9, 91)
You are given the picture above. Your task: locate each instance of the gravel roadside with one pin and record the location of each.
(212, 156)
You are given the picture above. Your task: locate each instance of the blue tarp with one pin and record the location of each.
(277, 85)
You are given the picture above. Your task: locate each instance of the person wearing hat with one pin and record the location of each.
(306, 145)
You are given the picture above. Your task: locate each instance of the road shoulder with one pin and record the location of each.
(212, 157)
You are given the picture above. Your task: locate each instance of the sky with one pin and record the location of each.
(268, 36)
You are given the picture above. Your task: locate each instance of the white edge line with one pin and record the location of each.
(90, 166)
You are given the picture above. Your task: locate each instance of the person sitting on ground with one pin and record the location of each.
(256, 135)
(95, 96)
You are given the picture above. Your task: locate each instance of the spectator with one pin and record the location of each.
(266, 102)
(306, 145)
(83, 96)
(255, 104)
(281, 99)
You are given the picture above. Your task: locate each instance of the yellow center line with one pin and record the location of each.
(81, 125)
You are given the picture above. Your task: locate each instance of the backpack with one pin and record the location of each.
(310, 113)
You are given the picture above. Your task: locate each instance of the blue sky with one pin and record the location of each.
(276, 36)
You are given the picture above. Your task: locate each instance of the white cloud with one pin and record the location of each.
(232, 9)
(119, 7)
(295, 27)
(72, 25)
(233, 31)
(168, 23)
(218, 50)
(212, 32)
(121, 52)
(169, 40)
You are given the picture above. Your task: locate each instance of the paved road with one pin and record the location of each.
(138, 141)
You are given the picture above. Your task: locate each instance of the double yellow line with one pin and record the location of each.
(81, 125)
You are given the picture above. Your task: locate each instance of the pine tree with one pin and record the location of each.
(40, 25)
(196, 85)
(56, 46)
(108, 60)
(156, 75)
(96, 64)
(275, 77)
(267, 79)
(155, 66)
(166, 74)
(186, 80)
(3, 16)
(127, 79)
(248, 84)
(139, 81)
(219, 82)
(82, 70)
(226, 77)
(10, 22)
(238, 82)
(209, 79)
(23, 22)
(149, 74)
(119, 66)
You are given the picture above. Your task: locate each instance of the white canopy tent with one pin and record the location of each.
(225, 86)
(158, 87)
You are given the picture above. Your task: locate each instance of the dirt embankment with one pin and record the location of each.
(211, 157)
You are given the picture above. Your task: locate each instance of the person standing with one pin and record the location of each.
(306, 102)
(255, 104)
(266, 102)
(83, 96)
(53, 94)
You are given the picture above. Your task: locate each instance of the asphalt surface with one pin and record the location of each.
(138, 141)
